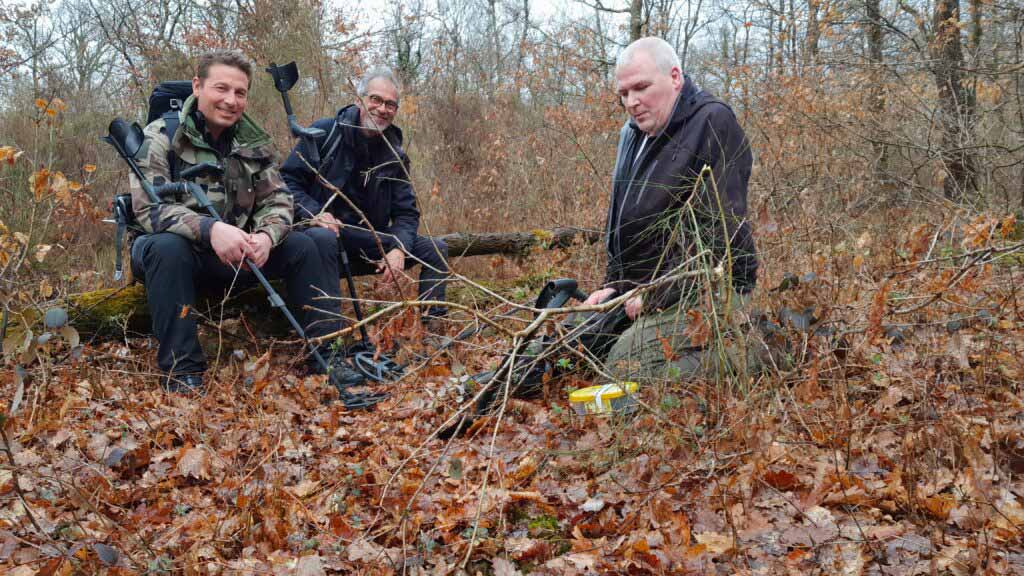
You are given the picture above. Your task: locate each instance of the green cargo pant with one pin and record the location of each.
(659, 347)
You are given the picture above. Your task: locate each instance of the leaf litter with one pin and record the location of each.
(881, 451)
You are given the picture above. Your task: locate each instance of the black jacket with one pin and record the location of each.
(387, 198)
(649, 232)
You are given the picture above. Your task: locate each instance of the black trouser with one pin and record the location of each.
(433, 252)
(173, 268)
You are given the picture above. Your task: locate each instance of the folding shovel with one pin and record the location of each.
(285, 78)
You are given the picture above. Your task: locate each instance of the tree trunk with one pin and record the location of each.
(515, 243)
(813, 33)
(636, 21)
(113, 311)
(956, 109)
(876, 97)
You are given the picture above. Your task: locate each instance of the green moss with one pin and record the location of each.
(544, 526)
(110, 309)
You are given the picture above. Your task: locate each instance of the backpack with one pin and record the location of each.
(165, 102)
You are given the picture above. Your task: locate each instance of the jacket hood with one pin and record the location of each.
(247, 133)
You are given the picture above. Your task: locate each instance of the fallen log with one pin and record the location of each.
(516, 243)
(113, 311)
(116, 311)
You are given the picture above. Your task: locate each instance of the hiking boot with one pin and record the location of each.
(340, 373)
(344, 376)
(435, 319)
(191, 384)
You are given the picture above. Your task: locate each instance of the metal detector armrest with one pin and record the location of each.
(302, 132)
(557, 292)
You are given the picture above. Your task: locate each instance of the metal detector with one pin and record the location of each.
(367, 361)
(127, 139)
(527, 364)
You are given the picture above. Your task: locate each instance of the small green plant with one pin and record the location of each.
(481, 533)
(160, 565)
(670, 402)
(543, 526)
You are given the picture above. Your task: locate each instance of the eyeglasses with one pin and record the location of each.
(377, 101)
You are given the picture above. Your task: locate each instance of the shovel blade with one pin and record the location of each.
(285, 76)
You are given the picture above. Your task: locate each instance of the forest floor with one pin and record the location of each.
(894, 445)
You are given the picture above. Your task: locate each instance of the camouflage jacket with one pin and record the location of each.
(250, 195)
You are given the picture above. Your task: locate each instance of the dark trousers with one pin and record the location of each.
(433, 252)
(173, 269)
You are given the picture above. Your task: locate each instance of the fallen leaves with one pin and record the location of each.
(905, 459)
(304, 489)
(194, 463)
(715, 543)
(780, 480)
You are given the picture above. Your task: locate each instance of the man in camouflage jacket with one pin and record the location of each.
(185, 249)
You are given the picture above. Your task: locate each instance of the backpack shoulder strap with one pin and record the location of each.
(171, 122)
(330, 144)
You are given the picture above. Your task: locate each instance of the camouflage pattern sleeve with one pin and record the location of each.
(171, 215)
(274, 208)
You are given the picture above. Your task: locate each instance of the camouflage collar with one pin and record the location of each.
(250, 141)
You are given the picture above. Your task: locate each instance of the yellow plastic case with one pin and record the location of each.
(614, 397)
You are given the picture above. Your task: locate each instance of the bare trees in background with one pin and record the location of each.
(892, 97)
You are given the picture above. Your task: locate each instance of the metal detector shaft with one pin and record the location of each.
(375, 366)
(343, 258)
(275, 299)
(285, 77)
(130, 160)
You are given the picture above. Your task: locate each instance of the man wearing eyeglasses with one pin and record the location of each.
(361, 156)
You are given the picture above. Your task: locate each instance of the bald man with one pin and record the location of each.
(663, 213)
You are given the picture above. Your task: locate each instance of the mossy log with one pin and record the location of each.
(113, 311)
(516, 243)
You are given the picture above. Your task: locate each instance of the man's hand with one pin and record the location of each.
(598, 296)
(229, 243)
(392, 265)
(327, 220)
(634, 306)
(260, 246)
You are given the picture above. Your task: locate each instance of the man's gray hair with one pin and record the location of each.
(663, 54)
(374, 73)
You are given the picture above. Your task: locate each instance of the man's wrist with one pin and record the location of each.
(270, 238)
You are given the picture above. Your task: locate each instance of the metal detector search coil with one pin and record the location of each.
(616, 397)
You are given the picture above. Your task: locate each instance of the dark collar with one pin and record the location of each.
(221, 145)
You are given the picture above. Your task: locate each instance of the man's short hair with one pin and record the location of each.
(233, 58)
(663, 54)
(374, 73)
